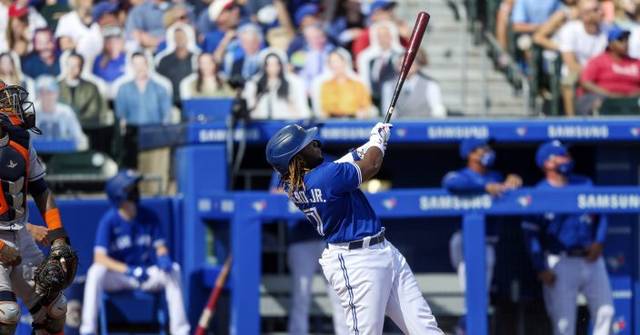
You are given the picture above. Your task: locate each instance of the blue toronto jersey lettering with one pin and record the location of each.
(333, 203)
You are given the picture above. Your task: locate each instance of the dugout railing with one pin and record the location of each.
(247, 211)
(203, 176)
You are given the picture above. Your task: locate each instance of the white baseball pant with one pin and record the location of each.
(573, 275)
(19, 279)
(302, 271)
(99, 279)
(375, 281)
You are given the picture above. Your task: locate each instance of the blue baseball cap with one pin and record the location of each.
(102, 8)
(616, 33)
(118, 186)
(546, 150)
(468, 145)
(304, 11)
(381, 4)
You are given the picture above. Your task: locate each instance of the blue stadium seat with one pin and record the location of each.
(133, 307)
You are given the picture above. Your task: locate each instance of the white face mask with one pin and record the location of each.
(73, 82)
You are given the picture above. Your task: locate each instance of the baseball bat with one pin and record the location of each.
(210, 308)
(414, 45)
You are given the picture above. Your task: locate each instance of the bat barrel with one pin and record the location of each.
(414, 45)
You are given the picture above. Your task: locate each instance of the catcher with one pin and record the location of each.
(24, 271)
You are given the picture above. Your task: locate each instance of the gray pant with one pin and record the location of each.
(19, 279)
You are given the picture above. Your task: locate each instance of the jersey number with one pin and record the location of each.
(313, 216)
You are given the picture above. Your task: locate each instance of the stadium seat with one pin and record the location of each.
(134, 307)
(85, 170)
(620, 106)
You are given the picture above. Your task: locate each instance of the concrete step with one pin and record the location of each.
(471, 75)
(476, 100)
(451, 49)
(441, 59)
(495, 91)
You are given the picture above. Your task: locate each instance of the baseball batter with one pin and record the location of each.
(368, 273)
(566, 250)
(23, 172)
(305, 244)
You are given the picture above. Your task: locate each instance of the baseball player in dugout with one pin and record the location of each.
(25, 272)
(475, 179)
(370, 276)
(130, 253)
(566, 250)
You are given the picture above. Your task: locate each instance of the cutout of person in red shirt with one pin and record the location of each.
(612, 74)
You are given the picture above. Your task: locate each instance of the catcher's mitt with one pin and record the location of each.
(57, 271)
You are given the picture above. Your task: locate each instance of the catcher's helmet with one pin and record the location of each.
(120, 185)
(286, 143)
(15, 109)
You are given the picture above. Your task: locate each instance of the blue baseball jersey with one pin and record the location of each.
(467, 182)
(557, 233)
(334, 204)
(132, 242)
(297, 230)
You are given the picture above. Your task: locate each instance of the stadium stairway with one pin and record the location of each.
(470, 84)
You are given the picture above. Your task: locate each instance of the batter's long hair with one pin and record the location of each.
(294, 179)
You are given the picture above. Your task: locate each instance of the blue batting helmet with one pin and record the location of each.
(286, 143)
(118, 186)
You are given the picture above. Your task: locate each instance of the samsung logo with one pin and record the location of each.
(578, 131)
(220, 135)
(608, 201)
(345, 133)
(452, 202)
(457, 132)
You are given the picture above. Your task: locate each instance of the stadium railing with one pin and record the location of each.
(248, 210)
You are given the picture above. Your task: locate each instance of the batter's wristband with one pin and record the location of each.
(52, 219)
(55, 234)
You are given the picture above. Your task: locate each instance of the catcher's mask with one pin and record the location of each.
(16, 109)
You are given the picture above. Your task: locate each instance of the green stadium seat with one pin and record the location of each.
(81, 169)
(620, 106)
